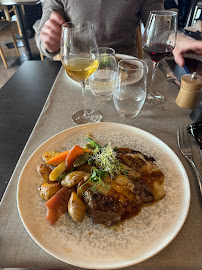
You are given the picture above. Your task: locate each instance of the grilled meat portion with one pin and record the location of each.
(149, 172)
(116, 206)
(143, 192)
(103, 209)
(125, 151)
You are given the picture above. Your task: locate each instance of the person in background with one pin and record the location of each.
(115, 22)
(115, 26)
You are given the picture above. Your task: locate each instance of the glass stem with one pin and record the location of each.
(155, 65)
(83, 85)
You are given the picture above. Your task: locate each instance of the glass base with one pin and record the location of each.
(154, 99)
(86, 116)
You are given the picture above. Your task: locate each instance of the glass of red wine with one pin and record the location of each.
(159, 41)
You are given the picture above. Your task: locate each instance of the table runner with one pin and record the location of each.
(17, 249)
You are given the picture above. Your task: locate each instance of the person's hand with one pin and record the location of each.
(51, 32)
(185, 44)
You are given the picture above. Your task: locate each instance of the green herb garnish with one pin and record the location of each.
(106, 160)
(97, 180)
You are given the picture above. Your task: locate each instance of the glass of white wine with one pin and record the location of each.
(77, 40)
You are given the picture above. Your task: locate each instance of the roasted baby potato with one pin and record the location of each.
(48, 189)
(76, 208)
(44, 171)
(48, 155)
(73, 178)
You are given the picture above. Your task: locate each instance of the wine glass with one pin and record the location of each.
(77, 40)
(159, 41)
(103, 81)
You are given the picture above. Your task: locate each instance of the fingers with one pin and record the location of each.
(179, 60)
(51, 32)
(52, 29)
(57, 17)
(190, 46)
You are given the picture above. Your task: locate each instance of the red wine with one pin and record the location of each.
(157, 51)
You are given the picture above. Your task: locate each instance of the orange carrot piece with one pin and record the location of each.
(58, 158)
(72, 156)
(57, 205)
(62, 156)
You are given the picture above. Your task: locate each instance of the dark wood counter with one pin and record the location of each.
(21, 101)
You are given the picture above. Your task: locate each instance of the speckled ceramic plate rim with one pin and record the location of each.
(37, 226)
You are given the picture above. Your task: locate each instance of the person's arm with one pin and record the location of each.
(49, 31)
(185, 44)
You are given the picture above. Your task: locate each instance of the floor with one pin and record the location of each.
(12, 59)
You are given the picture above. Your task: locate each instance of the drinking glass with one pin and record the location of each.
(77, 40)
(103, 81)
(130, 93)
(159, 41)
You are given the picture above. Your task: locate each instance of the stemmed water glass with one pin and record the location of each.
(77, 40)
(159, 41)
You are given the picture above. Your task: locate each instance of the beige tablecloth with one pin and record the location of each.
(17, 249)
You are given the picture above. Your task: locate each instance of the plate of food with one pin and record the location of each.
(118, 58)
(103, 196)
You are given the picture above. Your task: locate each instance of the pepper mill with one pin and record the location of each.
(189, 93)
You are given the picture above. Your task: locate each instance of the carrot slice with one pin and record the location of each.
(57, 205)
(58, 158)
(62, 156)
(72, 156)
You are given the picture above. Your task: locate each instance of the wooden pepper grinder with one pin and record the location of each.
(189, 93)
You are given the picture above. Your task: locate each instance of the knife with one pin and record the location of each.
(201, 153)
(165, 68)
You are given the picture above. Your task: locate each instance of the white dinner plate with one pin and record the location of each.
(119, 56)
(95, 246)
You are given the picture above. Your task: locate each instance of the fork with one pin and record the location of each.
(186, 150)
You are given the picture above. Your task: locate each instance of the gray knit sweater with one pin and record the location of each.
(115, 21)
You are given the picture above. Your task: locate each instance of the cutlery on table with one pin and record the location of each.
(165, 68)
(186, 150)
(195, 130)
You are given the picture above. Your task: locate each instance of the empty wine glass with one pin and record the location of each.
(159, 41)
(77, 40)
(103, 81)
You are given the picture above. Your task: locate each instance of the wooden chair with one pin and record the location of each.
(7, 26)
(6, 12)
(8, 17)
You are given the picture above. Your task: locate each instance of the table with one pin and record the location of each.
(17, 4)
(17, 249)
(23, 95)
